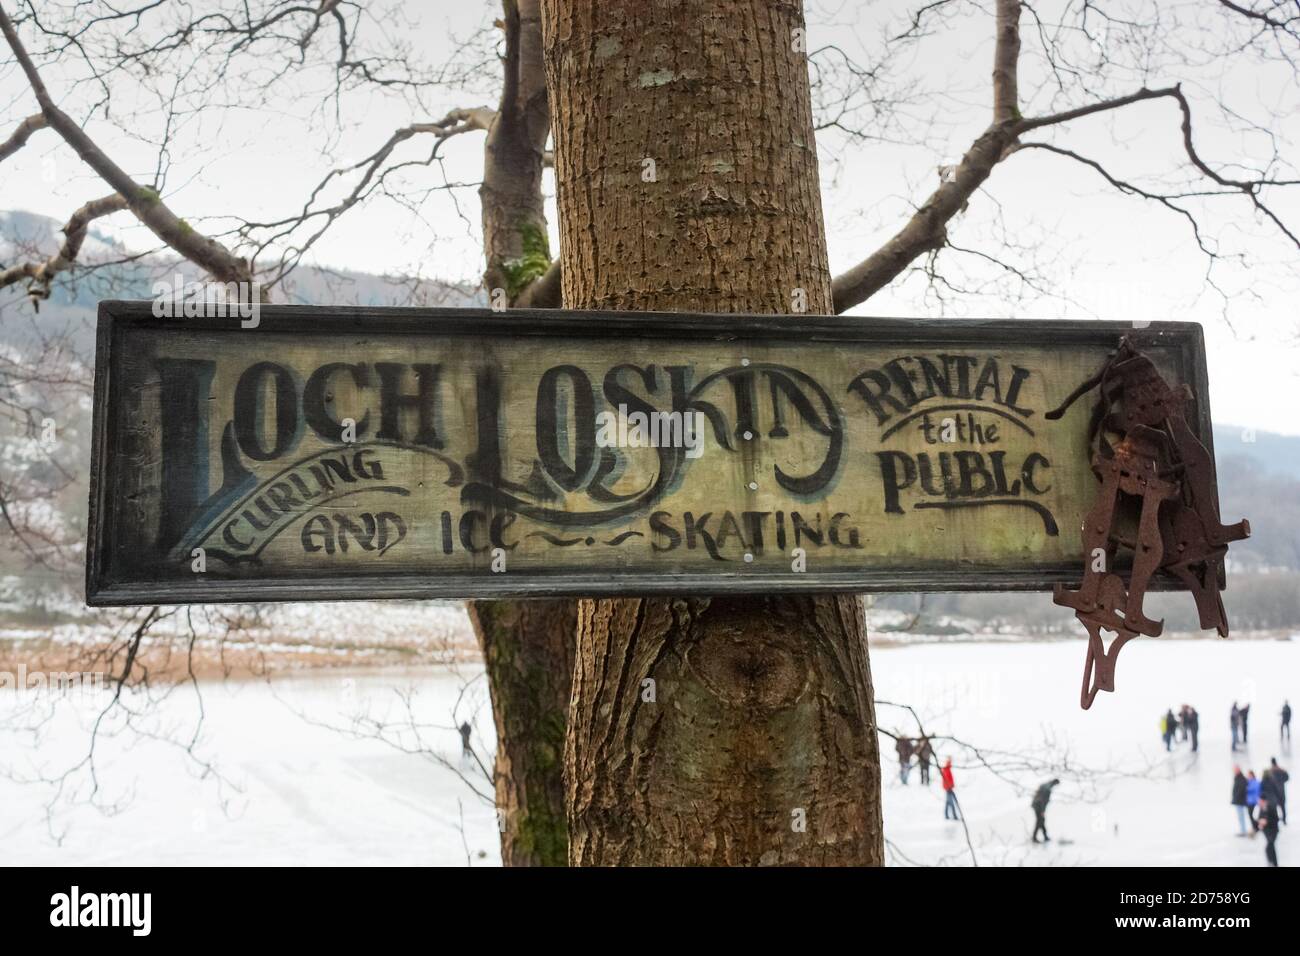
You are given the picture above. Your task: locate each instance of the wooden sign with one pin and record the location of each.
(364, 453)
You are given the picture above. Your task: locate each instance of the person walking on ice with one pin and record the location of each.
(949, 791)
(1252, 794)
(1268, 789)
(1267, 824)
(465, 749)
(1039, 805)
(924, 754)
(1239, 799)
(904, 747)
(1273, 787)
(1285, 732)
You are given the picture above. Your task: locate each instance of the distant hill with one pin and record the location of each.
(1275, 453)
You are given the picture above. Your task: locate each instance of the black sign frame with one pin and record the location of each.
(106, 587)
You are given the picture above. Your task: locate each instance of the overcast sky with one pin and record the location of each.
(1105, 255)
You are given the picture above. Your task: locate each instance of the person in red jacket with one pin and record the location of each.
(949, 791)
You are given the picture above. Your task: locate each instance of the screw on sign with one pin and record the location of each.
(1157, 502)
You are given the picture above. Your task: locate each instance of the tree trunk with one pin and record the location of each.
(515, 244)
(687, 180)
(528, 651)
(527, 646)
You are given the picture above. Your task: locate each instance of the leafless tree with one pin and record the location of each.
(1057, 68)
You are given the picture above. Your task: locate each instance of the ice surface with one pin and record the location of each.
(1174, 810)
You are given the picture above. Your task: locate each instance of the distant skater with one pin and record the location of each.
(1286, 721)
(1239, 799)
(1194, 727)
(1268, 788)
(1280, 777)
(1245, 724)
(1168, 723)
(1236, 725)
(1268, 825)
(465, 748)
(1039, 805)
(1252, 794)
(924, 754)
(949, 791)
(904, 747)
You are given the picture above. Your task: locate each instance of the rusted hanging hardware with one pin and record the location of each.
(1157, 500)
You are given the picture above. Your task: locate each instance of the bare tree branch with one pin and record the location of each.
(42, 274)
(373, 173)
(1006, 62)
(1053, 119)
(1127, 187)
(1247, 187)
(20, 135)
(925, 232)
(145, 202)
(1289, 25)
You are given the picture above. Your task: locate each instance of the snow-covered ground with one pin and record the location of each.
(299, 789)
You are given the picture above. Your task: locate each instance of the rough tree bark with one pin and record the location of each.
(528, 652)
(759, 746)
(515, 243)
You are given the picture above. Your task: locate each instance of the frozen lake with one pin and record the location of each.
(301, 779)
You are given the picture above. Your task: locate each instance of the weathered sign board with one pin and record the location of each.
(362, 453)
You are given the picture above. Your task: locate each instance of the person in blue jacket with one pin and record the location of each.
(1252, 795)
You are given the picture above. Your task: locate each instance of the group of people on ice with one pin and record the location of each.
(923, 751)
(1186, 725)
(1240, 718)
(1262, 801)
